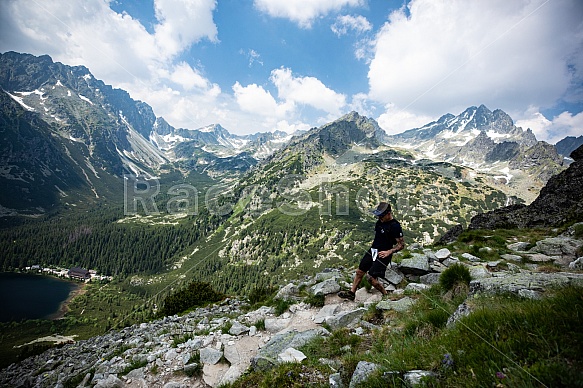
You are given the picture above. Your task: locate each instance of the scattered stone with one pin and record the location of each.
(442, 254)
(287, 292)
(394, 276)
(518, 246)
(509, 257)
(210, 356)
(275, 325)
(470, 257)
(400, 305)
(267, 356)
(326, 287)
(346, 318)
(362, 295)
(238, 328)
(414, 377)
(462, 310)
(558, 246)
(291, 355)
(577, 264)
(430, 278)
(479, 272)
(450, 261)
(539, 258)
(416, 287)
(362, 372)
(415, 266)
(335, 381)
(325, 312)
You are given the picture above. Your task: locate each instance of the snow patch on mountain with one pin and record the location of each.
(21, 102)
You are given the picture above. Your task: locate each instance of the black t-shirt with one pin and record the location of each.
(386, 234)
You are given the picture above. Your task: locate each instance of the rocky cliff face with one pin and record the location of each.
(560, 201)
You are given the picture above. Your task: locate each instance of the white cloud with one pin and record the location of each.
(303, 12)
(183, 74)
(395, 120)
(346, 23)
(443, 56)
(307, 90)
(285, 126)
(551, 131)
(255, 99)
(183, 22)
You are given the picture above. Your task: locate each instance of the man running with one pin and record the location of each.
(388, 240)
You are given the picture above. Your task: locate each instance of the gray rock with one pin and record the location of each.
(291, 355)
(275, 325)
(170, 354)
(416, 287)
(509, 257)
(518, 246)
(110, 382)
(175, 384)
(287, 292)
(267, 356)
(335, 381)
(539, 258)
(430, 255)
(326, 287)
(557, 246)
(346, 318)
(330, 274)
(442, 254)
(190, 368)
(462, 310)
(450, 261)
(577, 264)
(414, 377)
(400, 305)
(325, 312)
(210, 356)
(362, 372)
(513, 283)
(470, 257)
(394, 276)
(238, 328)
(529, 294)
(415, 266)
(479, 272)
(430, 278)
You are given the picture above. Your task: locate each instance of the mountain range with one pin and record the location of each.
(276, 200)
(92, 133)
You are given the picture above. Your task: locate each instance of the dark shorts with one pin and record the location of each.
(376, 268)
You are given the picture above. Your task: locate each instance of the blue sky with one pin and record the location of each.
(261, 65)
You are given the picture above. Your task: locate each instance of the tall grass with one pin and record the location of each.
(506, 340)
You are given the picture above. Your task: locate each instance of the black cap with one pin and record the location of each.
(381, 209)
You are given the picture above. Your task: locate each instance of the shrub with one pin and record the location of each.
(260, 294)
(316, 300)
(281, 305)
(457, 273)
(195, 294)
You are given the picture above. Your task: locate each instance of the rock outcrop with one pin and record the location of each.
(559, 202)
